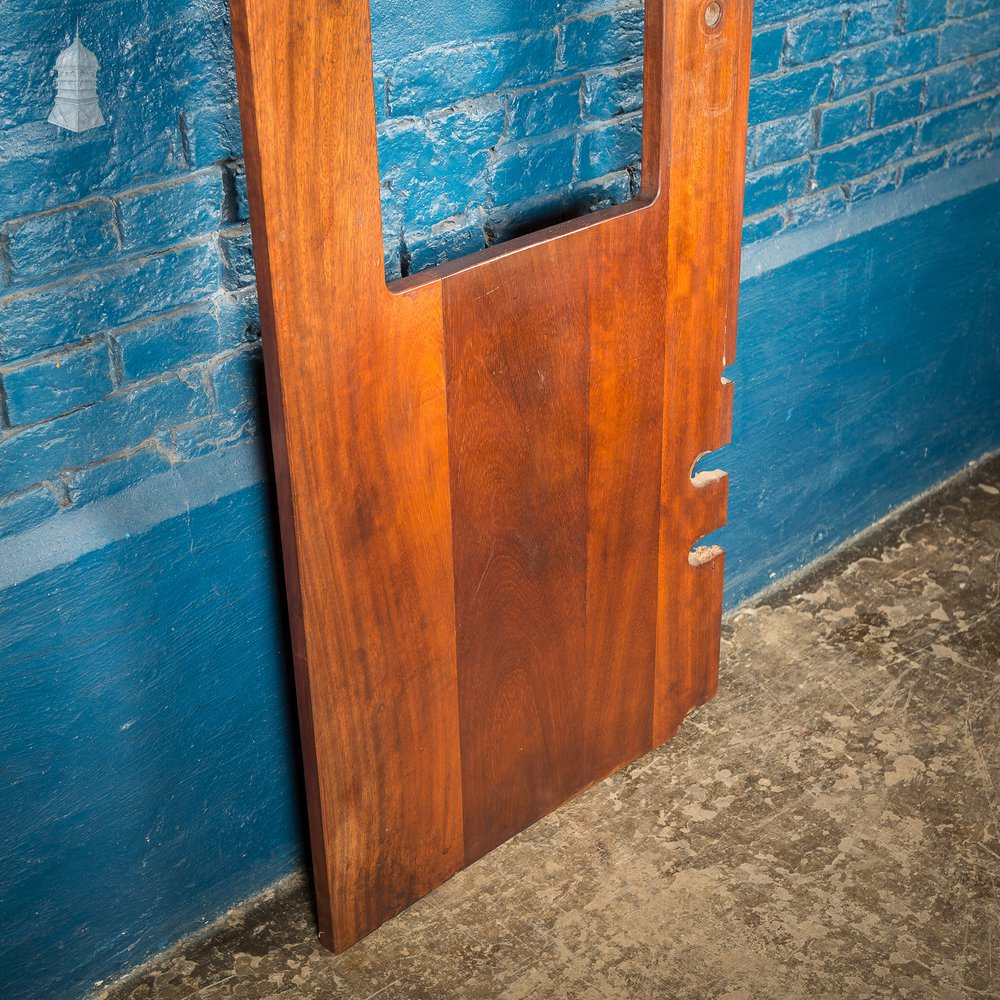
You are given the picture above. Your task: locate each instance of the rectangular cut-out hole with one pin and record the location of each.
(498, 119)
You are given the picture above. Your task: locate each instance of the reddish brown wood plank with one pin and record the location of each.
(517, 416)
(625, 433)
(357, 396)
(705, 196)
(628, 323)
(543, 490)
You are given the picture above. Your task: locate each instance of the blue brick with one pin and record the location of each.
(238, 317)
(818, 208)
(785, 139)
(543, 110)
(208, 134)
(392, 229)
(762, 227)
(57, 384)
(956, 123)
(957, 83)
(788, 94)
(113, 474)
(112, 297)
(43, 247)
(772, 11)
(986, 73)
(606, 191)
(240, 210)
(838, 122)
(160, 216)
(815, 39)
(604, 40)
(440, 179)
(26, 68)
(117, 423)
(765, 51)
(438, 77)
(236, 248)
(865, 68)
(194, 440)
(381, 86)
(401, 28)
(766, 189)
(897, 103)
(965, 8)
(523, 170)
(610, 148)
(843, 163)
(975, 147)
(448, 242)
(238, 380)
(948, 86)
(164, 343)
(920, 14)
(392, 262)
(915, 169)
(211, 119)
(973, 36)
(26, 510)
(607, 95)
(874, 184)
(477, 125)
(46, 168)
(143, 106)
(510, 221)
(870, 24)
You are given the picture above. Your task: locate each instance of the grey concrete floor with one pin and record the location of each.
(828, 827)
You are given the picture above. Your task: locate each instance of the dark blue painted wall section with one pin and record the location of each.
(865, 373)
(148, 746)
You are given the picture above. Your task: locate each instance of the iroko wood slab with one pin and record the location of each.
(485, 470)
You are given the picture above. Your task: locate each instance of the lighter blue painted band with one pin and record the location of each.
(72, 534)
(935, 189)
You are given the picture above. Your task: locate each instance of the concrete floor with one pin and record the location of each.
(828, 827)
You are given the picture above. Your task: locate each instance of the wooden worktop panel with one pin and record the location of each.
(485, 472)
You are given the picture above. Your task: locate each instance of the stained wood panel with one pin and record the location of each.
(517, 421)
(705, 192)
(357, 399)
(484, 471)
(624, 438)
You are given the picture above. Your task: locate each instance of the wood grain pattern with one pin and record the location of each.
(484, 471)
(705, 193)
(517, 415)
(357, 394)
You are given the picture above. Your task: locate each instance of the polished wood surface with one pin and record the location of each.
(485, 470)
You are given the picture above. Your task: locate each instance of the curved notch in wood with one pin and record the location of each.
(484, 472)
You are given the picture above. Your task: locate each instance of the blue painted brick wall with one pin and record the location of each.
(864, 98)
(127, 312)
